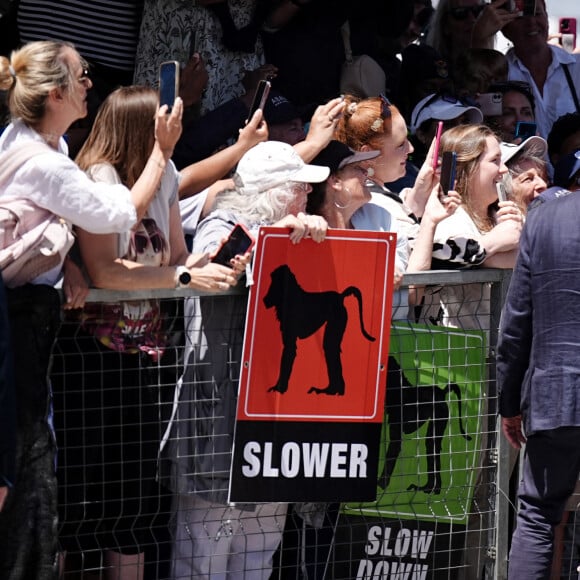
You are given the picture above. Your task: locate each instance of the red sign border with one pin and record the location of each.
(363, 236)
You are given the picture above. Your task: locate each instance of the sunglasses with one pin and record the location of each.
(463, 12)
(152, 236)
(385, 107)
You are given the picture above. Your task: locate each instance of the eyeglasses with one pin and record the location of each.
(507, 85)
(518, 86)
(463, 12)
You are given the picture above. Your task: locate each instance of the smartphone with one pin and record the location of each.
(501, 193)
(168, 83)
(491, 104)
(192, 45)
(260, 97)
(524, 7)
(567, 28)
(448, 165)
(239, 242)
(525, 129)
(437, 143)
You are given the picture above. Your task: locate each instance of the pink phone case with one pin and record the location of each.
(437, 143)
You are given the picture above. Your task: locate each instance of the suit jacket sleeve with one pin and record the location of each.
(515, 342)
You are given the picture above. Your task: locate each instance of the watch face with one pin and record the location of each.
(184, 278)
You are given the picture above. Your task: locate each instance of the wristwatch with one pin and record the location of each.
(182, 277)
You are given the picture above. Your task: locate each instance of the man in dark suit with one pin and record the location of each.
(538, 373)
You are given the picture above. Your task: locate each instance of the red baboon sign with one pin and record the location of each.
(312, 387)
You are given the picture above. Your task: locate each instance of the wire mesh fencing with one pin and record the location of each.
(145, 437)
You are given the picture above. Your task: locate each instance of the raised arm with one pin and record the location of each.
(167, 132)
(198, 176)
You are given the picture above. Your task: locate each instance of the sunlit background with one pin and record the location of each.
(556, 9)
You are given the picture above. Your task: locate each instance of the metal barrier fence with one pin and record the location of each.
(443, 510)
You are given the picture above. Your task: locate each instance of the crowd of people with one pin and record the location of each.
(151, 193)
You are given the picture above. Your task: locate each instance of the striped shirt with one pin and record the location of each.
(103, 31)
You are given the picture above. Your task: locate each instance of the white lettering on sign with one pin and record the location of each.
(309, 460)
(386, 570)
(414, 543)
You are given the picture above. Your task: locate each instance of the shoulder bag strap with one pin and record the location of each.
(572, 87)
(12, 159)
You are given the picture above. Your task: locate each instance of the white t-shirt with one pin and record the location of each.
(159, 208)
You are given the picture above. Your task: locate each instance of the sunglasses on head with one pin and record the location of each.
(385, 107)
(463, 12)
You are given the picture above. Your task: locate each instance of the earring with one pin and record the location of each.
(370, 172)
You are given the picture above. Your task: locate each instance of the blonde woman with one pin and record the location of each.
(482, 232)
(47, 85)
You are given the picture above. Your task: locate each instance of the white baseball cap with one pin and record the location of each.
(510, 150)
(442, 108)
(274, 163)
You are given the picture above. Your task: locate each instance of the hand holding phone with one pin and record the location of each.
(448, 167)
(168, 83)
(437, 144)
(260, 98)
(238, 243)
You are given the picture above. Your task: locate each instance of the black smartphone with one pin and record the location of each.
(239, 242)
(529, 8)
(448, 165)
(260, 97)
(168, 83)
(525, 129)
(192, 45)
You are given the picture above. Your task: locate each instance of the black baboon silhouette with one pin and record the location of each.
(408, 407)
(301, 314)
